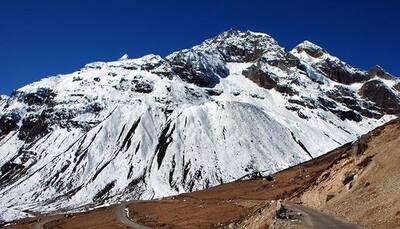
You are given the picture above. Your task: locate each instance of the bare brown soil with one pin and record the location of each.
(358, 182)
(363, 187)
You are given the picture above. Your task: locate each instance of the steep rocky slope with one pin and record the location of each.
(149, 127)
(363, 186)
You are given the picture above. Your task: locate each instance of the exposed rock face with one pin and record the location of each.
(34, 127)
(379, 72)
(339, 73)
(204, 64)
(236, 46)
(202, 69)
(8, 122)
(397, 87)
(358, 147)
(330, 66)
(143, 86)
(213, 92)
(311, 49)
(377, 92)
(284, 62)
(240, 47)
(43, 96)
(348, 98)
(329, 105)
(261, 78)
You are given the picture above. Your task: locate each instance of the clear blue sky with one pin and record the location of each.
(39, 38)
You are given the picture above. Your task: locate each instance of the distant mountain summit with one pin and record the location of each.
(149, 127)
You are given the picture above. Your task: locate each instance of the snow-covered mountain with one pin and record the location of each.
(149, 127)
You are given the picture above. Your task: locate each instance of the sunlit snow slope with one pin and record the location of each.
(149, 127)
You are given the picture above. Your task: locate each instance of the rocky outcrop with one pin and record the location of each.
(268, 80)
(397, 87)
(285, 62)
(33, 127)
(332, 106)
(240, 47)
(260, 77)
(348, 98)
(213, 91)
(202, 69)
(379, 72)
(340, 73)
(236, 46)
(311, 49)
(143, 86)
(8, 122)
(377, 92)
(281, 211)
(204, 64)
(43, 96)
(330, 66)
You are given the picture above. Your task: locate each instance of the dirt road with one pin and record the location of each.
(121, 214)
(40, 224)
(318, 220)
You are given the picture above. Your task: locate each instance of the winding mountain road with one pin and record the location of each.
(317, 220)
(122, 215)
(40, 224)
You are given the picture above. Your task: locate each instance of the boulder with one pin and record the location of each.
(281, 212)
(347, 177)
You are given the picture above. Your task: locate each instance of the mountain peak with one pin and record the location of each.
(309, 44)
(233, 32)
(377, 67)
(230, 32)
(380, 72)
(310, 48)
(205, 64)
(237, 46)
(124, 57)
